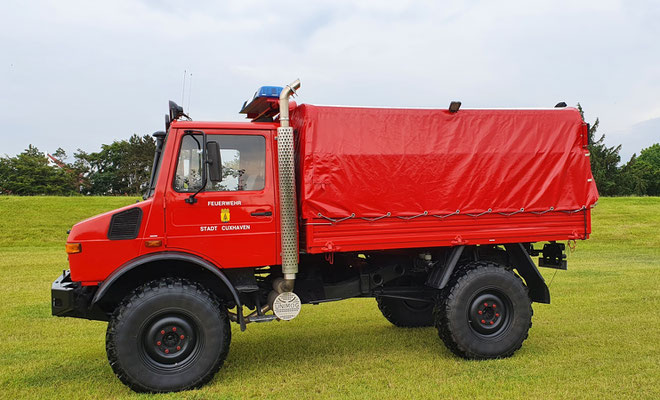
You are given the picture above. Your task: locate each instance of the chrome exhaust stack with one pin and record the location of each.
(284, 303)
(289, 90)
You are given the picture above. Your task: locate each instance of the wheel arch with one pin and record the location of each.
(157, 265)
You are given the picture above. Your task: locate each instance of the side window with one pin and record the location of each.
(243, 163)
(188, 177)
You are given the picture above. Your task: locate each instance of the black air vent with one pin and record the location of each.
(125, 225)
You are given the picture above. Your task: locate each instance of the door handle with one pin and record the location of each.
(262, 214)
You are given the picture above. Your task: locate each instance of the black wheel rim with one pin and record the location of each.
(170, 342)
(490, 313)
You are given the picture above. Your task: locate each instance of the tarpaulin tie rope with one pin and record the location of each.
(389, 214)
(414, 216)
(512, 213)
(542, 212)
(490, 210)
(447, 215)
(334, 221)
(574, 211)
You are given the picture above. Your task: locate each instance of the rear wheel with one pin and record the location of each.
(406, 313)
(484, 312)
(168, 335)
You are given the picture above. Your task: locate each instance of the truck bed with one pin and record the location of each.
(376, 178)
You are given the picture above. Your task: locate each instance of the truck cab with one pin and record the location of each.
(230, 223)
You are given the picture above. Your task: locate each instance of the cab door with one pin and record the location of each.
(232, 222)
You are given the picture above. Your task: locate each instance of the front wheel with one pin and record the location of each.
(168, 335)
(484, 312)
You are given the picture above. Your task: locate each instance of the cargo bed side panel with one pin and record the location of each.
(356, 234)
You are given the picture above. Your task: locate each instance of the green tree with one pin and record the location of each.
(60, 154)
(630, 178)
(648, 167)
(122, 167)
(29, 173)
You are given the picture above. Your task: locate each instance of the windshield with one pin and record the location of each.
(161, 138)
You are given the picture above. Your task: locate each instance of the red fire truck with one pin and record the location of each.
(438, 214)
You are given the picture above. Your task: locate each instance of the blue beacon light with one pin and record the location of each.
(264, 104)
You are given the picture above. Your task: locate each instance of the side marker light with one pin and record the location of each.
(73, 248)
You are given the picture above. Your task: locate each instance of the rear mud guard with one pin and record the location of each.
(538, 290)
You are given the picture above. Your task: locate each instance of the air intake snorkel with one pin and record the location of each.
(284, 302)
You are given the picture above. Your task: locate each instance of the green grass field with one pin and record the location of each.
(600, 337)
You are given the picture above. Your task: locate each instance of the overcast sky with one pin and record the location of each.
(76, 74)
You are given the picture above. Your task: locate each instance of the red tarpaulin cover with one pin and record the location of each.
(371, 161)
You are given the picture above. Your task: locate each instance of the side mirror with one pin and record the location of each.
(214, 161)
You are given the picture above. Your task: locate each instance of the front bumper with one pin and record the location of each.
(63, 296)
(71, 299)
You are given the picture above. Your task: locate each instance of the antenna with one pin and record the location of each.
(183, 91)
(189, 93)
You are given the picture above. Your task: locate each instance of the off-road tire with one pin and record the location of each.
(406, 313)
(484, 311)
(168, 335)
